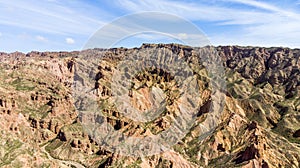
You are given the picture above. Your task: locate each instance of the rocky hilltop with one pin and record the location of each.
(259, 125)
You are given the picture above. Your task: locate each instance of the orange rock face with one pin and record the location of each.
(41, 119)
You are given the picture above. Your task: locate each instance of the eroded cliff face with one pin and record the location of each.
(259, 125)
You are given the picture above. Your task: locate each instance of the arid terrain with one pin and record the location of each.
(259, 125)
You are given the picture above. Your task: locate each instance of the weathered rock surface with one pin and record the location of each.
(259, 125)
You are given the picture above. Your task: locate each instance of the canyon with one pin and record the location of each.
(258, 125)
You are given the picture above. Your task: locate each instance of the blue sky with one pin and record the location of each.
(56, 25)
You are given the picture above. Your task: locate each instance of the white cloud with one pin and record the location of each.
(41, 38)
(245, 22)
(0, 34)
(58, 17)
(267, 6)
(70, 40)
(182, 36)
(193, 11)
(261, 22)
(202, 11)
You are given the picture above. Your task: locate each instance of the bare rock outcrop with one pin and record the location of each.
(258, 127)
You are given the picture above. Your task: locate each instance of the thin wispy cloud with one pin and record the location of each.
(52, 18)
(49, 17)
(258, 23)
(202, 11)
(268, 7)
(225, 22)
(41, 38)
(193, 11)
